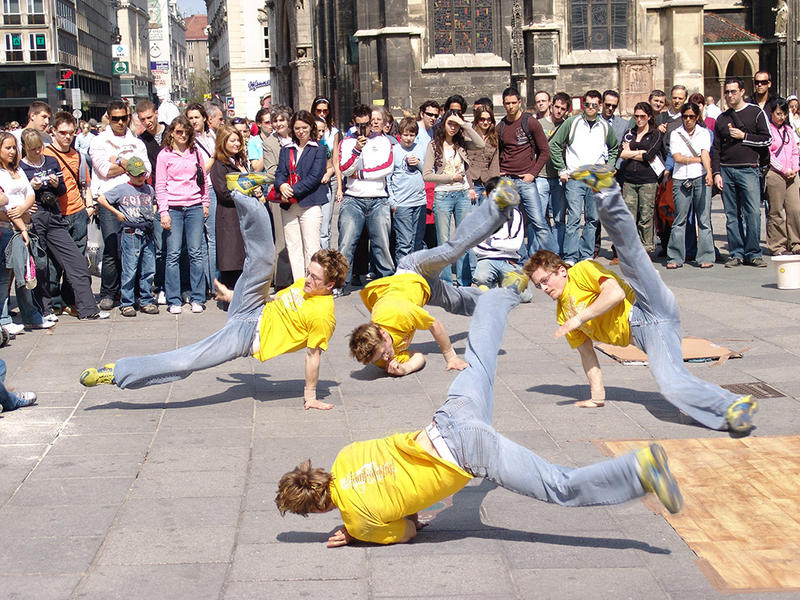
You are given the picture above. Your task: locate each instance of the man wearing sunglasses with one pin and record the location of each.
(762, 90)
(110, 151)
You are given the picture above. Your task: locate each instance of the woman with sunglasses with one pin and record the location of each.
(783, 217)
(690, 147)
(182, 188)
(321, 108)
(484, 163)
(446, 164)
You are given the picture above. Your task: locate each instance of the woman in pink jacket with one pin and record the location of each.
(783, 230)
(182, 195)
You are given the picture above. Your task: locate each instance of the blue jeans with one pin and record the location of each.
(539, 233)
(186, 221)
(137, 255)
(685, 200)
(211, 239)
(551, 193)
(741, 197)
(28, 312)
(408, 224)
(375, 212)
(465, 422)
(476, 227)
(8, 400)
(580, 200)
(449, 206)
(655, 321)
(235, 339)
(327, 215)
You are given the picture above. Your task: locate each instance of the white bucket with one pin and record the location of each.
(787, 269)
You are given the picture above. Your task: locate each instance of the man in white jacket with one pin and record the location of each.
(366, 159)
(499, 253)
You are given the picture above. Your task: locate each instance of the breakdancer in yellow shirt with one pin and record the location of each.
(396, 302)
(300, 316)
(380, 485)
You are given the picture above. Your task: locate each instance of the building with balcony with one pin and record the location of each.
(46, 39)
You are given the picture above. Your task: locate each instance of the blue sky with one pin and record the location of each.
(192, 7)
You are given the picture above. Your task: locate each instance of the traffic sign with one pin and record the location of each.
(121, 67)
(231, 113)
(229, 102)
(118, 50)
(77, 113)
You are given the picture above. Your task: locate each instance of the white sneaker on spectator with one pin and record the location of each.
(197, 307)
(42, 325)
(175, 309)
(14, 328)
(161, 298)
(51, 317)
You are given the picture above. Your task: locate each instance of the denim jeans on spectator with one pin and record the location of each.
(185, 221)
(741, 197)
(137, 256)
(211, 239)
(655, 321)
(454, 206)
(538, 229)
(327, 215)
(580, 202)
(236, 337)
(28, 311)
(61, 293)
(8, 400)
(695, 197)
(109, 228)
(465, 423)
(551, 193)
(408, 224)
(354, 212)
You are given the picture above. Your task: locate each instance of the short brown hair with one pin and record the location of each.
(334, 264)
(408, 125)
(37, 106)
(63, 116)
(303, 490)
(144, 106)
(547, 260)
(364, 340)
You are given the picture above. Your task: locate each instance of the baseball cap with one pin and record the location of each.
(135, 166)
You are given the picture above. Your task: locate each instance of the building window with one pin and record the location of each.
(11, 14)
(599, 24)
(266, 43)
(462, 26)
(35, 12)
(13, 47)
(38, 43)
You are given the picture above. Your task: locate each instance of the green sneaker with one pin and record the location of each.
(597, 177)
(656, 478)
(504, 194)
(92, 377)
(516, 280)
(740, 414)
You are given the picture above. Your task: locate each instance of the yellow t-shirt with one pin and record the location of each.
(396, 305)
(295, 320)
(379, 482)
(581, 289)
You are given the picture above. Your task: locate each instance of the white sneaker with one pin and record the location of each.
(42, 325)
(14, 328)
(161, 298)
(51, 317)
(175, 309)
(197, 307)
(103, 315)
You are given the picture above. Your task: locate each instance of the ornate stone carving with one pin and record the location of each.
(781, 18)
(636, 81)
(517, 41)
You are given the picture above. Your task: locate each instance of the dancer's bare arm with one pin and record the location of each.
(415, 362)
(313, 359)
(592, 369)
(443, 339)
(611, 294)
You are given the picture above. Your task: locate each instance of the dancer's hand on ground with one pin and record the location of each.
(456, 364)
(222, 292)
(310, 401)
(340, 538)
(570, 324)
(395, 369)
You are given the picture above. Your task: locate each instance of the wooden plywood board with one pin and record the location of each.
(741, 512)
(694, 350)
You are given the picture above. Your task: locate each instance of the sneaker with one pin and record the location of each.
(127, 311)
(504, 194)
(161, 298)
(25, 399)
(483, 288)
(92, 377)
(756, 262)
(197, 307)
(515, 280)
(175, 309)
(53, 318)
(42, 325)
(14, 328)
(656, 478)
(740, 414)
(106, 303)
(597, 177)
(733, 262)
(149, 309)
(97, 316)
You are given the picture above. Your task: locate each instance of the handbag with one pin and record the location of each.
(200, 176)
(274, 194)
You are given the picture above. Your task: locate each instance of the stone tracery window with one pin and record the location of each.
(598, 24)
(462, 26)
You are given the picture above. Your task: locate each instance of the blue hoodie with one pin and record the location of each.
(405, 184)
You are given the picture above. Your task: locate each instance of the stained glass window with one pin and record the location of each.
(599, 24)
(462, 26)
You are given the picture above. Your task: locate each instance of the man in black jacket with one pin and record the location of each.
(741, 136)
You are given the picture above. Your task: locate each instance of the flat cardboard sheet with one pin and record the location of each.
(694, 350)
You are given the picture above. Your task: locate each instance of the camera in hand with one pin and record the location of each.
(363, 129)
